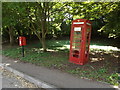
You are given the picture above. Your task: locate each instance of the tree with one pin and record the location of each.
(35, 17)
(38, 22)
(112, 27)
(9, 20)
(105, 13)
(47, 17)
(11, 17)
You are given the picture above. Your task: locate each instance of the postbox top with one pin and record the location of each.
(21, 36)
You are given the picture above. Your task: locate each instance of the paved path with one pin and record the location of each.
(53, 77)
(10, 80)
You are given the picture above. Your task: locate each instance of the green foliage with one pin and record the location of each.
(29, 18)
(113, 22)
(12, 13)
(102, 70)
(113, 79)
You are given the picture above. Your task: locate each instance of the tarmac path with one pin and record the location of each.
(10, 80)
(53, 77)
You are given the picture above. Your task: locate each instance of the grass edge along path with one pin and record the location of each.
(57, 58)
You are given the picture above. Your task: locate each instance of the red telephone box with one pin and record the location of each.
(22, 41)
(80, 41)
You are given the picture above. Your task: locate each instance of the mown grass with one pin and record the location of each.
(57, 57)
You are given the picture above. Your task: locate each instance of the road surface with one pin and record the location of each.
(10, 80)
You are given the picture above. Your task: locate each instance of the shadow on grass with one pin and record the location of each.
(109, 60)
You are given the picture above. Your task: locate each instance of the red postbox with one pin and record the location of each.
(22, 41)
(80, 41)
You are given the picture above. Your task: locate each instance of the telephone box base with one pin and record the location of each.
(78, 63)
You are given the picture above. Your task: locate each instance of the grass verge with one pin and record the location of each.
(102, 65)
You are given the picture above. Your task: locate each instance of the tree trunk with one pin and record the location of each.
(44, 44)
(41, 15)
(11, 35)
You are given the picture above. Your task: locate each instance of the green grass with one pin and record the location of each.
(12, 52)
(99, 75)
(58, 59)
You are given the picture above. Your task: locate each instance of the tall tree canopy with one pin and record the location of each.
(42, 18)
